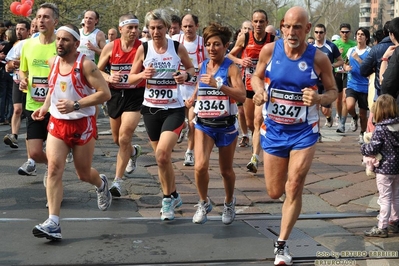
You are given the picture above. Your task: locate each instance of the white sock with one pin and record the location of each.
(245, 135)
(31, 161)
(54, 218)
(190, 151)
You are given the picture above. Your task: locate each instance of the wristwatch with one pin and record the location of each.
(76, 105)
(188, 77)
(219, 83)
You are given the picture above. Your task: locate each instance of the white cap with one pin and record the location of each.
(145, 28)
(82, 22)
(335, 37)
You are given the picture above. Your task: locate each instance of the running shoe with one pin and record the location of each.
(329, 122)
(48, 229)
(229, 212)
(203, 208)
(11, 141)
(361, 138)
(393, 227)
(244, 142)
(252, 166)
(340, 129)
(188, 159)
(377, 232)
(104, 197)
(116, 188)
(27, 169)
(283, 256)
(69, 158)
(168, 211)
(176, 202)
(132, 164)
(354, 124)
(183, 133)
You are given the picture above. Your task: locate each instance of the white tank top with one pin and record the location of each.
(197, 53)
(161, 91)
(84, 39)
(72, 86)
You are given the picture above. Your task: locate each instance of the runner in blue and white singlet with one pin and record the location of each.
(285, 80)
(285, 109)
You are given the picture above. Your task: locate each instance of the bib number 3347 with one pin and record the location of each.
(286, 107)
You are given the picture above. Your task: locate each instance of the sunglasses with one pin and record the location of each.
(319, 32)
(345, 31)
(146, 32)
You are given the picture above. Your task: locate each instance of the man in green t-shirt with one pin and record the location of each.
(343, 45)
(34, 72)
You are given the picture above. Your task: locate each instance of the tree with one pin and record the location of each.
(227, 12)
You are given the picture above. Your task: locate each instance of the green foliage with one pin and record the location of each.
(227, 12)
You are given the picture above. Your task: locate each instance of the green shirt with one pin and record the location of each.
(345, 46)
(34, 60)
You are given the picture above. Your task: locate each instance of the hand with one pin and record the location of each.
(260, 98)
(90, 46)
(16, 63)
(149, 72)
(310, 96)
(209, 80)
(246, 62)
(115, 77)
(179, 77)
(347, 68)
(388, 53)
(23, 85)
(65, 106)
(39, 114)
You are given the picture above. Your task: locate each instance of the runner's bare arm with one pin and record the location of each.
(93, 76)
(258, 78)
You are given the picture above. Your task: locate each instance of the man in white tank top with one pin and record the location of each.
(92, 40)
(76, 86)
(194, 45)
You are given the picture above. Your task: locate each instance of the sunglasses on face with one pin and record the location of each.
(146, 32)
(319, 32)
(345, 31)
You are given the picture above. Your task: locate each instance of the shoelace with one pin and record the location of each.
(102, 197)
(227, 210)
(201, 208)
(166, 207)
(280, 250)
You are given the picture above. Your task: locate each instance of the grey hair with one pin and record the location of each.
(52, 6)
(158, 14)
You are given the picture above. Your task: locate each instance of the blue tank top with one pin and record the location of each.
(356, 81)
(284, 80)
(211, 102)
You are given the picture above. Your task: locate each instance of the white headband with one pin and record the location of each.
(129, 21)
(71, 31)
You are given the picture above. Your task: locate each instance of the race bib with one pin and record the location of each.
(249, 71)
(286, 107)
(161, 91)
(39, 88)
(212, 103)
(124, 70)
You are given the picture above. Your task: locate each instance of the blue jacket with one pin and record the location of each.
(385, 140)
(372, 63)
